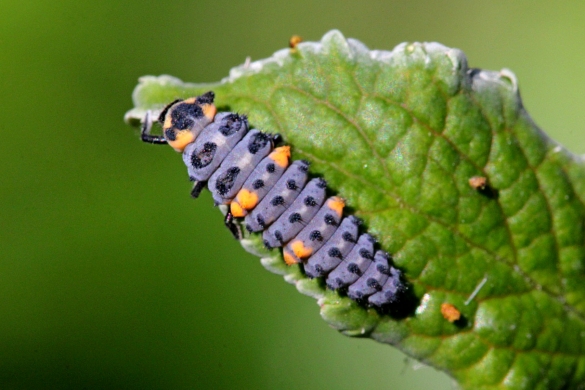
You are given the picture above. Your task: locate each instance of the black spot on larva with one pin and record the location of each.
(321, 183)
(270, 168)
(258, 142)
(355, 220)
(373, 283)
(202, 158)
(261, 221)
(226, 181)
(291, 185)
(258, 184)
(334, 252)
(249, 228)
(294, 217)
(170, 134)
(278, 236)
(315, 235)
(310, 201)
(304, 167)
(183, 115)
(267, 245)
(366, 254)
(277, 201)
(330, 220)
(319, 270)
(206, 98)
(353, 268)
(347, 236)
(383, 269)
(231, 124)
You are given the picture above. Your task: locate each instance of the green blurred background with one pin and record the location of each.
(111, 276)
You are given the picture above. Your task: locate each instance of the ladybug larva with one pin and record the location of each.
(257, 181)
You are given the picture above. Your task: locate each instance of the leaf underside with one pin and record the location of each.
(399, 134)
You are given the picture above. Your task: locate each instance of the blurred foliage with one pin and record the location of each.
(105, 274)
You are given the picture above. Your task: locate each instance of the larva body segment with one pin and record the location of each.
(354, 264)
(261, 180)
(292, 221)
(243, 169)
(373, 279)
(335, 250)
(316, 233)
(390, 291)
(279, 198)
(228, 179)
(216, 141)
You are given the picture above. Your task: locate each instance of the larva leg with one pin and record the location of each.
(197, 188)
(232, 226)
(145, 135)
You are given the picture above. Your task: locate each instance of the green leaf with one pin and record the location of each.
(399, 134)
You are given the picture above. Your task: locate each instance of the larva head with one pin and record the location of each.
(183, 120)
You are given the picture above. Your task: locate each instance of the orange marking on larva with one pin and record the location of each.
(237, 210)
(182, 139)
(247, 199)
(336, 204)
(281, 155)
(288, 258)
(209, 111)
(450, 312)
(300, 250)
(168, 122)
(190, 100)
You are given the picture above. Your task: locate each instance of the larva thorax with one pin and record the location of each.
(244, 169)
